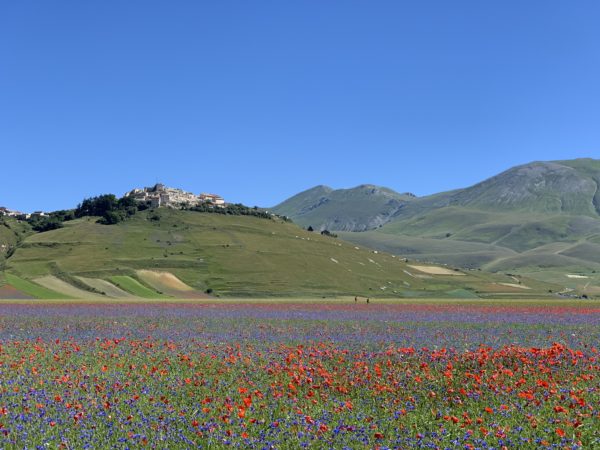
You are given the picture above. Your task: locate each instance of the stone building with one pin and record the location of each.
(161, 195)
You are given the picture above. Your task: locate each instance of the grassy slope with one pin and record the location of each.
(33, 289)
(528, 244)
(231, 255)
(11, 233)
(302, 201)
(359, 208)
(134, 287)
(446, 251)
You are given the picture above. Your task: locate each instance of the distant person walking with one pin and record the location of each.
(355, 299)
(367, 300)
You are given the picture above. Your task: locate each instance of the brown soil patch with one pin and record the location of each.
(518, 286)
(169, 284)
(165, 279)
(434, 270)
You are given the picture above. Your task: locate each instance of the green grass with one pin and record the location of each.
(585, 251)
(449, 251)
(12, 232)
(438, 223)
(232, 255)
(497, 242)
(135, 287)
(33, 289)
(589, 286)
(462, 293)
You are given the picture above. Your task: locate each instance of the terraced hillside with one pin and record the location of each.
(169, 253)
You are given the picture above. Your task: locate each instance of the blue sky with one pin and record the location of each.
(259, 100)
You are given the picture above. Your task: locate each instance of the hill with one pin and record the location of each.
(540, 219)
(173, 253)
(358, 209)
(12, 233)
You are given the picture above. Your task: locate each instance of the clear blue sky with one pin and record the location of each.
(259, 100)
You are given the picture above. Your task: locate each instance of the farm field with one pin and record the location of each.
(259, 374)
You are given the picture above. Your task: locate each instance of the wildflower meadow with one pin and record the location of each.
(299, 375)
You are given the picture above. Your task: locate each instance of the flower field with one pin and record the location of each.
(299, 375)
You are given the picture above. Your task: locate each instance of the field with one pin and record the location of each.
(300, 374)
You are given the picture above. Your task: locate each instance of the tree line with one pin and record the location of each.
(113, 210)
(108, 207)
(232, 209)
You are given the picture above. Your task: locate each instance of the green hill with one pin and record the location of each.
(171, 253)
(358, 209)
(12, 233)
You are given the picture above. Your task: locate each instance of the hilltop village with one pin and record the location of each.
(156, 196)
(21, 215)
(161, 195)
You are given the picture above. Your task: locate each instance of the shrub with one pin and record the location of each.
(41, 224)
(328, 233)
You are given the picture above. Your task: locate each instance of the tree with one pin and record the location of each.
(42, 224)
(63, 215)
(109, 208)
(127, 202)
(97, 206)
(112, 217)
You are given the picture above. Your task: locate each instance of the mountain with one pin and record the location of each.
(540, 219)
(358, 209)
(161, 253)
(559, 187)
